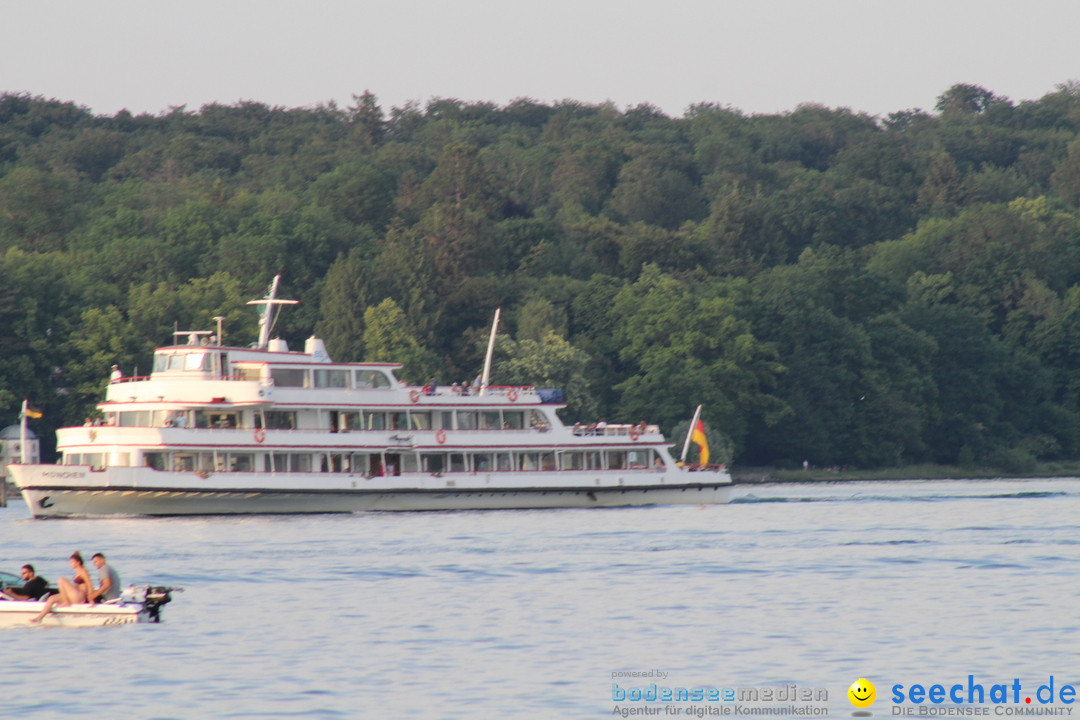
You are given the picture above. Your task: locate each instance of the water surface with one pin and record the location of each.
(528, 613)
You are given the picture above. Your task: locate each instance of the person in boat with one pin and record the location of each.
(33, 587)
(108, 581)
(72, 592)
(116, 375)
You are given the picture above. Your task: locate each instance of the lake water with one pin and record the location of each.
(531, 614)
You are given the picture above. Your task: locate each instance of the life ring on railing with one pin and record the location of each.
(414, 395)
(260, 435)
(440, 436)
(511, 394)
(634, 433)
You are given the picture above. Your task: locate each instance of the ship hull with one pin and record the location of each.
(106, 495)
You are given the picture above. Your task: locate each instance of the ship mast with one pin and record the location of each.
(266, 320)
(490, 350)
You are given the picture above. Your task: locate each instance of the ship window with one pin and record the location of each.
(139, 418)
(530, 461)
(350, 421)
(410, 463)
(161, 362)
(248, 373)
(503, 462)
(183, 462)
(547, 461)
(374, 420)
(73, 459)
(331, 378)
(289, 377)
(592, 460)
(514, 419)
(432, 463)
(241, 462)
(154, 460)
(637, 458)
(466, 420)
(197, 361)
(277, 462)
(399, 421)
(280, 419)
(176, 362)
(457, 462)
(481, 462)
(616, 459)
(300, 463)
(572, 461)
(367, 379)
(446, 419)
(420, 420)
(489, 420)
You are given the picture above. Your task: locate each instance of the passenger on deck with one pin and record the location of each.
(116, 374)
(33, 586)
(72, 591)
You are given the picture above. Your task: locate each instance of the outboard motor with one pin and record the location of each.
(154, 598)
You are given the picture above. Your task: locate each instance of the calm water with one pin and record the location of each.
(528, 613)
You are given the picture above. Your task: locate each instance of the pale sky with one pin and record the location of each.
(759, 56)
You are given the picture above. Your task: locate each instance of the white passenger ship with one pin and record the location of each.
(222, 430)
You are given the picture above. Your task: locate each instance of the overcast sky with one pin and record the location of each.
(760, 56)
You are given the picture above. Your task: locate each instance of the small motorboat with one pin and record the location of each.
(138, 603)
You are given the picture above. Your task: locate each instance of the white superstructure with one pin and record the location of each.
(217, 429)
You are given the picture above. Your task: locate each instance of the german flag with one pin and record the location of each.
(698, 436)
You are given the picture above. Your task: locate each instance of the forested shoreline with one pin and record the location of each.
(833, 287)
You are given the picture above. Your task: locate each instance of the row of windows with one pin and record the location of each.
(338, 421)
(384, 463)
(186, 361)
(343, 379)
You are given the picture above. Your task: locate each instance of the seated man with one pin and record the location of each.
(108, 581)
(33, 587)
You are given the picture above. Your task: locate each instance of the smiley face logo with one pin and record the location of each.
(862, 693)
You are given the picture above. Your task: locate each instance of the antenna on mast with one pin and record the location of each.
(266, 321)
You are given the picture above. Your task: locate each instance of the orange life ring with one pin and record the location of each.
(440, 436)
(260, 435)
(511, 394)
(414, 395)
(634, 433)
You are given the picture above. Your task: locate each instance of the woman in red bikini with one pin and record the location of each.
(71, 591)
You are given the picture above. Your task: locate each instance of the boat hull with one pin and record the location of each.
(74, 492)
(15, 613)
(107, 503)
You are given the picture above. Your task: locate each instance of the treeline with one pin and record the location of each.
(834, 287)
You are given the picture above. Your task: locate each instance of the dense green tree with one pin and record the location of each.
(834, 287)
